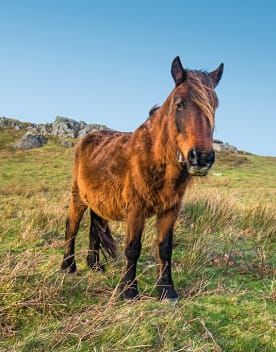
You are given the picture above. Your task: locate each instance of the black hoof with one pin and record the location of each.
(69, 266)
(167, 294)
(129, 291)
(94, 264)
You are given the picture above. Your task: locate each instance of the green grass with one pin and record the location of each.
(224, 264)
(250, 178)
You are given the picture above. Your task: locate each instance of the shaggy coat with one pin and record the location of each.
(132, 176)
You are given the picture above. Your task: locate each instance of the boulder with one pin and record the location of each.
(65, 127)
(67, 144)
(30, 141)
(85, 130)
(89, 128)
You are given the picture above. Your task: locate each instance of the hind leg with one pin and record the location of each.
(76, 211)
(97, 225)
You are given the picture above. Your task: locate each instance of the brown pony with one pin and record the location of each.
(133, 176)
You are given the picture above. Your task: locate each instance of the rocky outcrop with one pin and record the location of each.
(219, 145)
(37, 134)
(30, 141)
(65, 127)
(6, 122)
(61, 127)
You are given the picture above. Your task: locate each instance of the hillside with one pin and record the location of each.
(224, 262)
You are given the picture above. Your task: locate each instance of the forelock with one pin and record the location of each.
(202, 93)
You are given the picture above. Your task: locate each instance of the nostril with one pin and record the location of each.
(197, 158)
(192, 156)
(208, 158)
(212, 157)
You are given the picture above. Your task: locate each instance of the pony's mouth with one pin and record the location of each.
(194, 169)
(199, 163)
(198, 170)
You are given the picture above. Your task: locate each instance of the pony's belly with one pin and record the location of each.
(109, 212)
(109, 205)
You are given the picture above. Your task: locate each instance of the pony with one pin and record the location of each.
(130, 177)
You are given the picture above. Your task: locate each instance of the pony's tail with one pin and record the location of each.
(103, 237)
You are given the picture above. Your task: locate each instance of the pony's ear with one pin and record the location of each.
(178, 72)
(216, 74)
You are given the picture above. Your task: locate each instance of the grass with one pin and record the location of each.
(224, 264)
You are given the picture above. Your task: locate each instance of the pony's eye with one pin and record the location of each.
(180, 105)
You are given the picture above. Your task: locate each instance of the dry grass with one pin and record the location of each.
(223, 264)
(213, 242)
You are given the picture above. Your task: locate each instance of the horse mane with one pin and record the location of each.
(151, 114)
(202, 93)
(153, 109)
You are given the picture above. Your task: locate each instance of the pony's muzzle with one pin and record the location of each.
(199, 163)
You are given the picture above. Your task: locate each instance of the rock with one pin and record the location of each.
(219, 145)
(41, 128)
(230, 147)
(67, 144)
(85, 130)
(82, 124)
(91, 127)
(30, 141)
(12, 123)
(61, 127)
(65, 127)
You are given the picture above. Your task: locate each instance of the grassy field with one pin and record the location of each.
(224, 264)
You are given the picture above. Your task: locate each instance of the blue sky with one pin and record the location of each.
(109, 61)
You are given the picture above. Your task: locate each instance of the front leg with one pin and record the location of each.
(165, 223)
(135, 226)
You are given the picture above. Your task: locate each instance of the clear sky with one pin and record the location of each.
(108, 61)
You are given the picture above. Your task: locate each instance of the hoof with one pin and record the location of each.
(173, 301)
(69, 266)
(129, 292)
(98, 268)
(94, 264)
(130, 295)
(167, 294)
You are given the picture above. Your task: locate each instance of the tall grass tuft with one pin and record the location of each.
(258, 221)
(208, 215)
